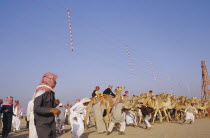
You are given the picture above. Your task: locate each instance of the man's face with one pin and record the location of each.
(53, 84)
(110, 86)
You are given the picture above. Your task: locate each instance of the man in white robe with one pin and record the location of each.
(30, 118)
(30, 112)
(61, 119)
(77, 117)
(129, 118)
(16, 119)
(190, 111)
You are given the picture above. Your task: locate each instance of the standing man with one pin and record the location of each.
(77, 117)
(7, 110)
(118, 117)
(16, 119)
(61, 118)
(30, 119)
(44, 107)
(99, 119)
(190, 111)
(108, 91)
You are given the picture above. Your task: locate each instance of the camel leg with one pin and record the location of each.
(176, 115)
(169, 115)
(182, 115)
(166, 115)
(140, 117)
(154, 116)
(106, 120)
(160, 115)
(107, 117)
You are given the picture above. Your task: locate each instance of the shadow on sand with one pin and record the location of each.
(23, 133)
(85, 135)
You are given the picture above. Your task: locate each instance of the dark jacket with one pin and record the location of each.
(94, 94)
(9, 114)
(146, 110)
(42, 106)
(43, 119)
(7, 119)
(109, 92)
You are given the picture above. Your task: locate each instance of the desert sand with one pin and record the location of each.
(199, 129)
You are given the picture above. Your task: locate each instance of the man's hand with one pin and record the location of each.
(57, 101)
(6, 110)
(75, 118)
(55, 111)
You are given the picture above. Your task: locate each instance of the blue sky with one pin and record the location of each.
(34, 39)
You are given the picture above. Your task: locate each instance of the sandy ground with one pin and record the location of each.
(200, 129)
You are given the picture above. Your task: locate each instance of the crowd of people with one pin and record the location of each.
(47, 116)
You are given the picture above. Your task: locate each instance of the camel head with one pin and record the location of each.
(119, 88)
(135, 97)
(183, 99)
(143, 95)
(163, 95)
(140, 100)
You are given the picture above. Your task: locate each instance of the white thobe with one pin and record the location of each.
(78, 110)
(30, 118)
(129, 118)
(16, 119)
(190, 115)
(146, 121)
(30, 115)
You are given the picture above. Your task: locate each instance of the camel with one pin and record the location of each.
(159, 103)
(162, 104)
(180, 106)
(167, 105)
(107, 101)
(201, 106)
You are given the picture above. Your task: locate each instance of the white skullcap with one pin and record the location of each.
(60, 104)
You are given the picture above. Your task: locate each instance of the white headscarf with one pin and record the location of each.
(85, 100)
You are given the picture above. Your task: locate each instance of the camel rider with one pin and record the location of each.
(95, 92)
(126, 92)
(108, 91)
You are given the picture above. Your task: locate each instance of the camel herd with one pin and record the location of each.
(167, 107)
